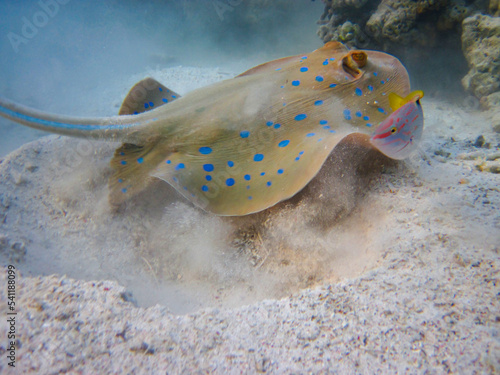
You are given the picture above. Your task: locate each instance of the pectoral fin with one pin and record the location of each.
(146, 95)
(132, 167)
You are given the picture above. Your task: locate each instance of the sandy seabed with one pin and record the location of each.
(388, 269)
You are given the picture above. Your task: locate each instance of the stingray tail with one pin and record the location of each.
(109, 128)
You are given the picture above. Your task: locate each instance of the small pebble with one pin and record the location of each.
(442, 153)
(480, 141)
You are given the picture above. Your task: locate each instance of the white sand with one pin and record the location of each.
(364, 272)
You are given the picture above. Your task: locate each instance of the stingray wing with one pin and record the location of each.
(237, 176)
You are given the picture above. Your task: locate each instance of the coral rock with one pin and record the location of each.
(481, 47)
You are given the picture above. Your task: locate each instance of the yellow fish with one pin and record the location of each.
(241, 145)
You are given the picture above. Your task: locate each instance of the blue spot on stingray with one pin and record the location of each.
(387, 80)
(124, 190)
(325, 62)
(304, 69)
(208, 167)
(165, 100)
(247, 177)
(120, 180)
(248, 187)
(370, 87)
(332, 58)
(262, 173)
(175, 179)
(151, 104)
(278, 69)
(280, 171)
(179, 166)
(300, 117)
(269, 183)
(258, 157)
(332, 131)
(277, 126)
(359, 114)
(204, 188)
(347, 114)
(297, 158)
(123, 162)
(332, 85)
(136, 113)
(326, 127)
(168, 162)
(205, 150)
(140, 160)
(230, 164)
(173, 96)
(369, 125)
(375, 74)
(282, 87)
(301, 153)
(284, 143)
(358, 91)
(295, 83)
(366, 118)
(310, 135)
(230, 182)
(382, 82)
(304, 57)
(318, 102)
(319, 78)
(185, 187)
(208, 177)
(244, 134)
(319, 140)
(159, 88)
(250, 198)
(323, 122)
(269, 123)
(381, 110)
(146, 105)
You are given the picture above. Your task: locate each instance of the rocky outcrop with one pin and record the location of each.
(442, 42)
(481, 48)
(400, 22)
(494, 8)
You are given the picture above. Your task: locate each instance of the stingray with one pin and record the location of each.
(244, 144)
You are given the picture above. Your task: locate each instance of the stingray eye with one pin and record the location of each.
(393, 130)
(359, 58)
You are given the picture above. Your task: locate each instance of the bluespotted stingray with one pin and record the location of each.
(244, 144)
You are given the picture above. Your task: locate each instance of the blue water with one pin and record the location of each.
(57, 54)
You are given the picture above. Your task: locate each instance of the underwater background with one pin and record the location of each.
(92, 46)
(89, 45)
(395, 263)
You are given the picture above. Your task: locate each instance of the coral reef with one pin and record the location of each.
(341, 20)
(425, 35)
(396, 21)
(402, 22)
(481, 47)
(494, 8)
